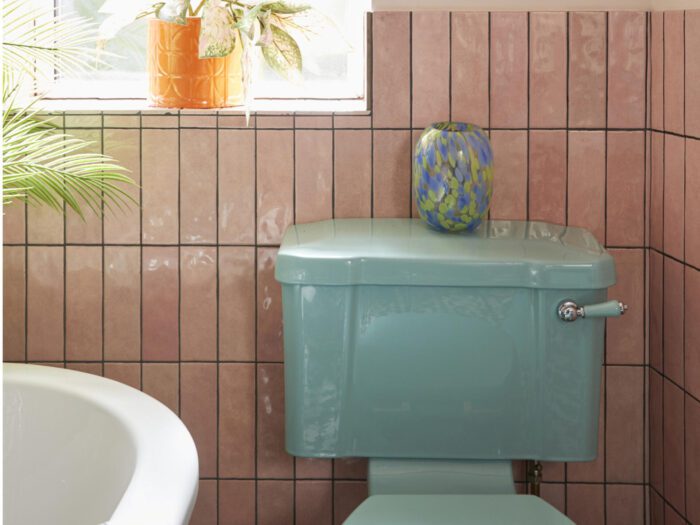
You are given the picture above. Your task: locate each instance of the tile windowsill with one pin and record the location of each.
(116, 106)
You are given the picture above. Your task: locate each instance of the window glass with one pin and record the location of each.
(333, 50)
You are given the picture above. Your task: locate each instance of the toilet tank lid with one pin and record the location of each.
(408, 252)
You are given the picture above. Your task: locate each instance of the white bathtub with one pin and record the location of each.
(83, 450)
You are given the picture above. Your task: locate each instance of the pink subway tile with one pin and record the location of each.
(656, 209)
(692, 458)
(392, 173)
(347, 497)
(692, 72)
(672, 516)
(237, 420)
(656, 509)
(126, 373)
(626, 68)
(624, 504)
(510, 186)
(198, 307)
(236, 121)
(44, 225)
(554, 494)
(14, 297)
(509, 89)
(272, 459)
(275, 162)
(122, 303)
(237, 502)
(585, 503)
(314, 502)
(160, 304)
(314, 175)
(674, 195)
(674, 456)
(656, 438)
(196, 120)
(592, 470)
(159, 186)
(275, 502)
(237, 186)
(692, 210)
(587, 69)
(45, 303)
(625, 189)
(353, 173)
(269, 305)
(624, 427)
(656, 69)
(205, 508)
(351, 468)
(674, 81)
(415, 135)
(237, 303)
(470, 67)
(673, 320)
(13, 223)
(124, 226)
(314, 468)
(656, 308)
(86, 368)
(83, 303)
(275, 121)
(691, 312)
(548, 70)
(391, 65)
(198, 150)
(169, 119)
(352, 121)
(431, 67)
(587, 181)
(625, 335)
(198, 411)
(313, 121)
(162, 381)
(88, 229)
(548, 176)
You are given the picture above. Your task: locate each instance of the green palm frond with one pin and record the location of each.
(34, 36)
(44, 165)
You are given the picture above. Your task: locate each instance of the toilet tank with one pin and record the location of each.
(403, 342)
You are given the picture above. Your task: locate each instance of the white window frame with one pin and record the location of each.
(350, 95)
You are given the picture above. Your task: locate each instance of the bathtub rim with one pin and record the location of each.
(161, 490)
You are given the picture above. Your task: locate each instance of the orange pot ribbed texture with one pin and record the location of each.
(178, 78)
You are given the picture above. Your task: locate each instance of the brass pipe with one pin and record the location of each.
(534, 477)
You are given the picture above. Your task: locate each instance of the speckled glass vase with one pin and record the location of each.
(453, 176)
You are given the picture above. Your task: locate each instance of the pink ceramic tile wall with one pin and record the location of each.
(179, 298)
(674, 269)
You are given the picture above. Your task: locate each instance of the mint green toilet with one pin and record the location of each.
(442, 357)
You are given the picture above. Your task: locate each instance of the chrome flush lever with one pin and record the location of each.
(570, 311)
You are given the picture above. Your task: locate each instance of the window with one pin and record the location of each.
(334, 57)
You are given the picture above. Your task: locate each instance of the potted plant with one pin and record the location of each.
(42, 165)
(201, 53)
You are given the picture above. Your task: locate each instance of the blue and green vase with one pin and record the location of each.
(453, 176)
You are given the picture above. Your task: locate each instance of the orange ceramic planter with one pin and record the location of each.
(178, 78)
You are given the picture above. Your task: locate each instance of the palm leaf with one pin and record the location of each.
(42, 165)
(33, 36)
